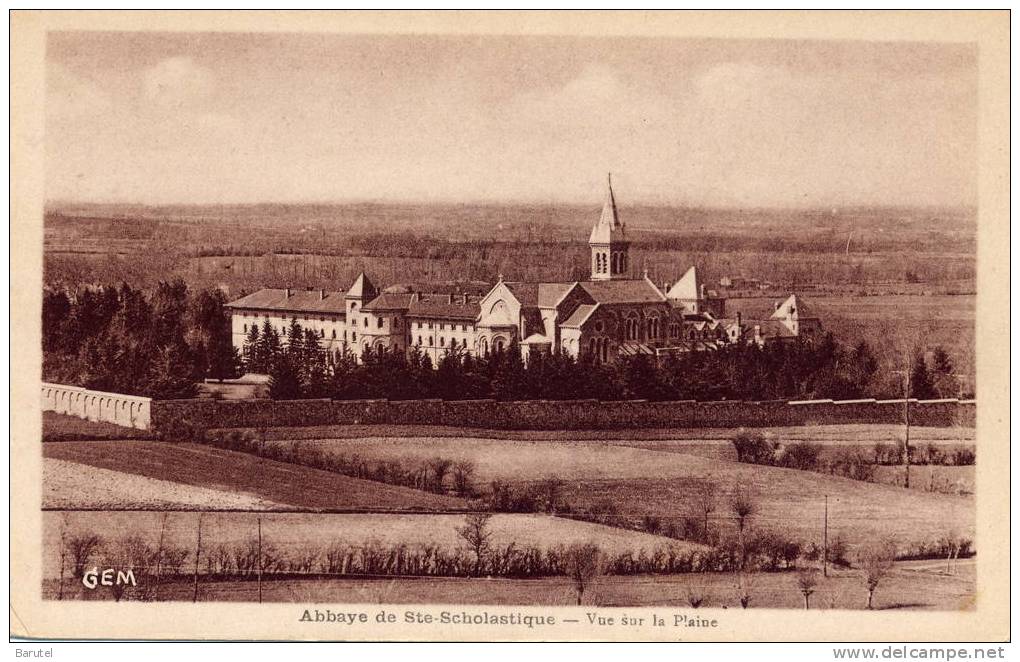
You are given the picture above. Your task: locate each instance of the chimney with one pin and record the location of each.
(702, 292)
(414, 297)
(322, 294)
(463, 299)
(738, 318)
(288, 292)
(776, 307)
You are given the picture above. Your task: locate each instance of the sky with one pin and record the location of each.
(161, 118)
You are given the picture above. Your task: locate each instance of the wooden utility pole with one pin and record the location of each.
(198, 552)
(258, 560)
(825, 540)
(906, 421)
(159, 555)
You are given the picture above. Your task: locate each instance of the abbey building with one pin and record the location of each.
(615, 313)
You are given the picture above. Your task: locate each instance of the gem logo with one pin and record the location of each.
(108, 577)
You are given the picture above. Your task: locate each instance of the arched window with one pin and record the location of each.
(498, 345)
(366, 322)
(442, 341)
(322, 333)
(631, 326)
(379, 323)
(484, 345)
(605, 350)
(334, 334)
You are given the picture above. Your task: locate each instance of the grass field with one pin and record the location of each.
(913, 586)
(61, 427)
(74, 485)
(300, 531)
(212, 468)
(641, 482)
(931, 478)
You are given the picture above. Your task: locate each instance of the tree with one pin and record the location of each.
(705, 500)
(583, 565)
(876, 561)
(807, 580)
(81, 548)
(921, 386)
(743, 508)
(251, 350)
(944, 381)
(223, 358)
(476, 534)
(284, 380)
(463, 473)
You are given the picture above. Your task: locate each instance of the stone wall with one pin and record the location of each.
(128, 410)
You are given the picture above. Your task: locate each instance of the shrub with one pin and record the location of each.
(754, 449)
(803, 455)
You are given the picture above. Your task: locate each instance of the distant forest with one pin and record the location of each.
(240, 249)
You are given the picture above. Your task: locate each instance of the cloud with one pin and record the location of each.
(595, 97)
(176, 82)
(70, 96)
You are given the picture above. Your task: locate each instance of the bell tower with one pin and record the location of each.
(609, 246)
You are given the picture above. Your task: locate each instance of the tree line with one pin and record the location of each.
(123, 340)
(796, 370)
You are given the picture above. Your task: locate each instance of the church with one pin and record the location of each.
(613, 314)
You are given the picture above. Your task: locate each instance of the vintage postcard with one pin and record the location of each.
(682, 326)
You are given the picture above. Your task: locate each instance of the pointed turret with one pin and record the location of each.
(609, 259)
(362, 289)
(609, 228)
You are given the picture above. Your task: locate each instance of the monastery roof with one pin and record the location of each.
(688, 287)
(793, 306)
(526, 293)
(470, 287)
(445, 307)
(638, 290)
(549, 294)
(297, 301)
(389, 301)
(580, 316)
(536, 339)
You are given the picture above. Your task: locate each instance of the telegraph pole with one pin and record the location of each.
(825, 540)
(259, 560)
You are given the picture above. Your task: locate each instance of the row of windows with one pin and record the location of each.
(442, 342)
(442, 326)
(300, 319)
(283, 330)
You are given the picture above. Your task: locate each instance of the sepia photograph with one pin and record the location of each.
(483, 325)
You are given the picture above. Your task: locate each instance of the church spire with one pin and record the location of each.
(607, 241)
(609, 222)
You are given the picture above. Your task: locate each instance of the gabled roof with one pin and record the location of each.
(536, 339)
(688, 287)
(609, 228)
(362, 288)
(526, 293)
(550, 294)
(793, 307)
(579, 316)
(297, 301)
(639, 290)
(389, 301)
(445, 307)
